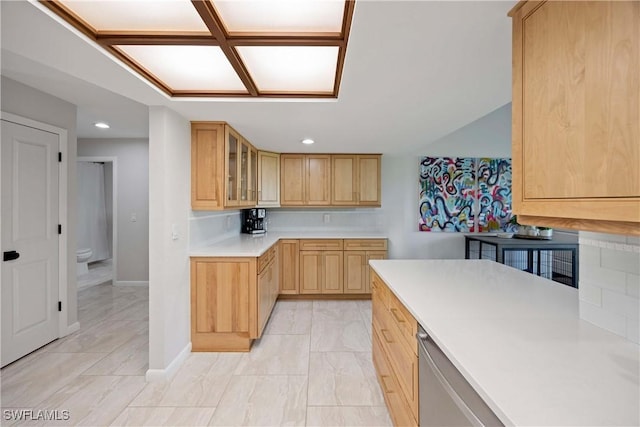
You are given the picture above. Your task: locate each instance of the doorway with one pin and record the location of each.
(97, 220)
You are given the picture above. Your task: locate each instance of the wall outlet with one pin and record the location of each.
(134, 217)
(326, 218)
(228, 223)
(174, 232)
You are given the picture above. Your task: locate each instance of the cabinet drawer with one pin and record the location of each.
(401, 413)
(403, 361)
(265, 259)
(379, 292)
(404, 321)
(321, 245)
(365, 244)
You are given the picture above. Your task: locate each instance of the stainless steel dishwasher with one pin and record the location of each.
(446, 398)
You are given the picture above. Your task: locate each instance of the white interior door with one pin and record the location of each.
(29, 229)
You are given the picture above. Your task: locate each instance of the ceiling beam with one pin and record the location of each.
(149, 39)
(141, 70)
(213, 22)
(349, 7)
(284, 40)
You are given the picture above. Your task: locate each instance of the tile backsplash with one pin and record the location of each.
(610, 283)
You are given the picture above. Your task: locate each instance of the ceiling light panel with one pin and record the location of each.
(281, 16)
(188, 68)
(291, 68)
(138, 15)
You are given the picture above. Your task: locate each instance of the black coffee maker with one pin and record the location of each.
(254, 221)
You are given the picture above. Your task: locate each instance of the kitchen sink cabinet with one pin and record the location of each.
(576, 126)
(268, 179)
(223, 168)
(305, 179)
(232, 299)
(355, 180)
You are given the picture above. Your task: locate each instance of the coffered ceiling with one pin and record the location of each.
(414, 71)
(208, 48)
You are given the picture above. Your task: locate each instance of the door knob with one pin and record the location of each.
(10, 256)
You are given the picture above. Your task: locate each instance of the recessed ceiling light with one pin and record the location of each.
(308, 141)
(102, 125)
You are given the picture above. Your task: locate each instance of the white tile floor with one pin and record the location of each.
(99, 272)
(311, 367)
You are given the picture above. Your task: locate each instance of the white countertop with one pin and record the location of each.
(519, 341)
(248, 245)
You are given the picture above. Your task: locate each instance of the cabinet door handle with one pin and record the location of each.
(385, 388)
(384, 335)
(399, 319)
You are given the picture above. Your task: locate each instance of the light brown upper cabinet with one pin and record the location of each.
(268, 179)
(305, 179)
(223, 168)
(576, 115)
(247, 173)
(355, 179)
(207, 166)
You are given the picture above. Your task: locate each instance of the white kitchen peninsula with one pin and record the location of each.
(518, 340)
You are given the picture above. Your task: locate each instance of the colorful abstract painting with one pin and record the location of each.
(494, 194)
(464, 194)
(447, 193)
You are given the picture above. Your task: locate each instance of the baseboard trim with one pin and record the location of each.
(324, 297)
(74, 327)
(156, 375)
(130, 283)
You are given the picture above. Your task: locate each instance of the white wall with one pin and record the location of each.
(133, 198)
(609, 285)
(489, 136)
(33, 104)
(169, 208)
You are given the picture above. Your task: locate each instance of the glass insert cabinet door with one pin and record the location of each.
(233, 142)
(253, 179)
(244, 171)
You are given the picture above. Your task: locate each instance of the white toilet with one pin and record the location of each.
(83, 256)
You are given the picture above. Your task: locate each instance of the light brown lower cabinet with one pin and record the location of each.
(289, 253)
(395, 353)
(268, 287)
(329, 266)
(231, 300)
(321, 272)
(356, 270)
